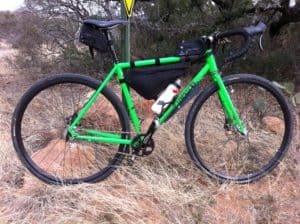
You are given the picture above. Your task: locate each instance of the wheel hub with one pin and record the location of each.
(69, 120)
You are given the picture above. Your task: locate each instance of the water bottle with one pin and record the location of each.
(166, 97)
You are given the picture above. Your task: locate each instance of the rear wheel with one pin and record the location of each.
(222, 152)
(41, 120)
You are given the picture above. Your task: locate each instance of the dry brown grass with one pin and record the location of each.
(164, 187)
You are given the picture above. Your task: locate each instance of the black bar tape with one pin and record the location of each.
(242, 32)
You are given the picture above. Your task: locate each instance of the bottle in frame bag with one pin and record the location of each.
(166, 97)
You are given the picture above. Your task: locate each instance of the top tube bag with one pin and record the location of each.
(150, 81)
(191, 47)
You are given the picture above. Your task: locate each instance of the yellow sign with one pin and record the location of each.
(128, 6)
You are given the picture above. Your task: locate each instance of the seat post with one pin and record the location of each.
(111, 45)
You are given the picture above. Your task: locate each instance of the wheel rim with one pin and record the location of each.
(227, 154)
(42, 135)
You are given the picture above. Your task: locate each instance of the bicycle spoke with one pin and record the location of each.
(223, 151)
(45, 143)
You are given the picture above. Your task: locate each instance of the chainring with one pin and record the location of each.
(142, 145)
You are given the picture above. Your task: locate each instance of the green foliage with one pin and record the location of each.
(233, 11)
(274, 64)
(47, 37)
(169, 22)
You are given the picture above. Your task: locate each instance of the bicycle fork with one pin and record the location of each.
(231, 114)
(230, 111)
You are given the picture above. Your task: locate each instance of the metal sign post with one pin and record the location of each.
(126, 12)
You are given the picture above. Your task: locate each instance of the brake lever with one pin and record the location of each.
(223, 42)
(260, 43)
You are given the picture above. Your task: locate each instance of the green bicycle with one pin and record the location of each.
(70, 128)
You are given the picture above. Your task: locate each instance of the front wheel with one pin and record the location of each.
(40, 130)
(223, 152)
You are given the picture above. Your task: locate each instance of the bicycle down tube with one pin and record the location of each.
(209, 67)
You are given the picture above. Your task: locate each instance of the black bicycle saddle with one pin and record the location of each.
(104, 24)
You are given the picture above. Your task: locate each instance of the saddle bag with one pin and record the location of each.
(150, 81)
(94, 38)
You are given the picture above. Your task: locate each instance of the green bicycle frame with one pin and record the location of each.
(209, 67)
